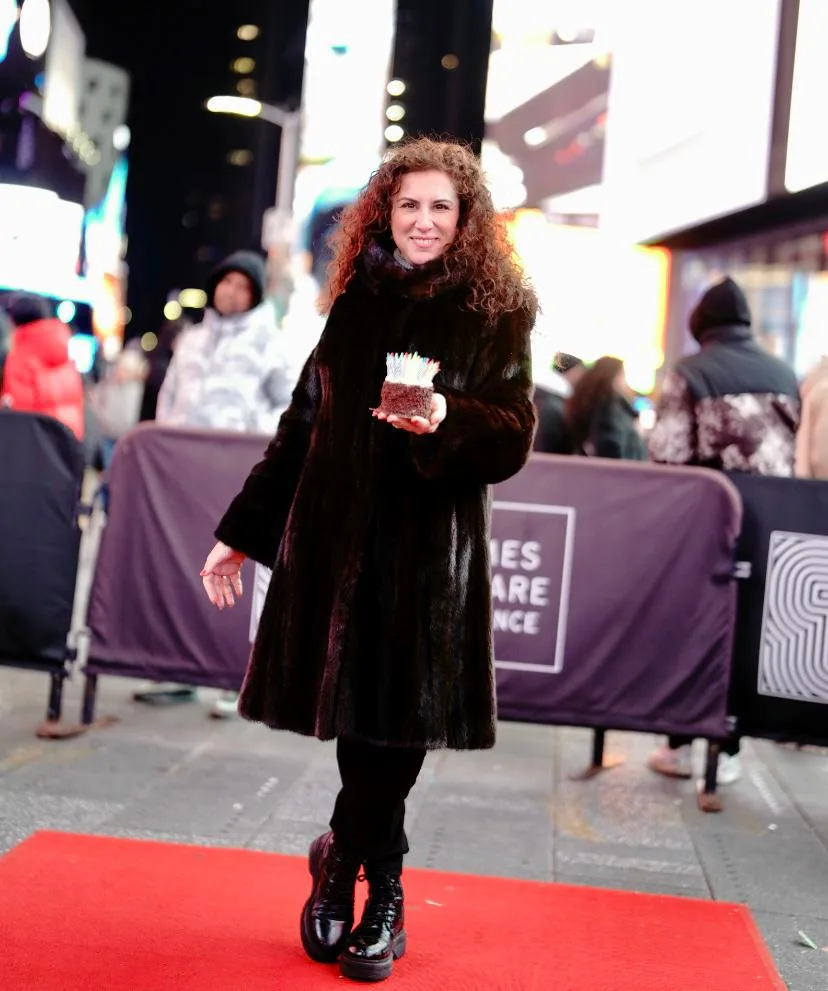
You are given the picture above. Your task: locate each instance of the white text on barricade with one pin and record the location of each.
(512, 586)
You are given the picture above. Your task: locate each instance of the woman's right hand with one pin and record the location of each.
(221, 575)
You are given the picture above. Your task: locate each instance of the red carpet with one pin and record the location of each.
(82, 913)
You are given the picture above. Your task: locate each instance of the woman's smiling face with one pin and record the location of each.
(424, 215)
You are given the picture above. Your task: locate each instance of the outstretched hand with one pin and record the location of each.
(221, 575)
(418, 424)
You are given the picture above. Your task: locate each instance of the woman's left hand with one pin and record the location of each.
(418, 424)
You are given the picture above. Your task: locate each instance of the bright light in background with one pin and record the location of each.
(126, 315)
(121, 137)
(30, 261)
(111, 347)
(523, 62)
(395, 112)
(240, 157)
(82, 348)
(35, 27)
(66, 311)
(243, 65)
(172, 311)
(626, 318)
(396, 87)
(347, 63)
(248, 32)
(450, 61)
(192, 299)
(242, 106)
(8, 19)
(149, 342)
(246, 87)
(505, 177)
(394, 133)
(535, 136)
(568, 33)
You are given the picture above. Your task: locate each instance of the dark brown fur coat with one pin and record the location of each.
(377, 624)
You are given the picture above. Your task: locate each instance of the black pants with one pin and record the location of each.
(370, 808)
(731, 745)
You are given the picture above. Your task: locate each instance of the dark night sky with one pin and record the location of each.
(178, 53)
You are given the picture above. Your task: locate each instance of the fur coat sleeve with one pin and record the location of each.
(488, 431)
(256, 519)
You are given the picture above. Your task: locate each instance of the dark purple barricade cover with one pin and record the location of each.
(612, 591)
(613, 597)
(148, 614)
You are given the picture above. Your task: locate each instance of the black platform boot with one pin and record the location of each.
(379, 939)
(328, 915)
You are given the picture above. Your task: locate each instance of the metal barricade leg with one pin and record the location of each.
(709, 798)
(90, 695)
(601, 761)
(55, 706)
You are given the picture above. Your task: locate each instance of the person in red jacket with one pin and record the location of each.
(39, 376)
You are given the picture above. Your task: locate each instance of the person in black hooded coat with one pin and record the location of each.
(732, 407)
(376, 629)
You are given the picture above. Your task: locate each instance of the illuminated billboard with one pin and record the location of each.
(546, 105)
(347, 66)
(807, 155)
(40, 243)
(690, 113)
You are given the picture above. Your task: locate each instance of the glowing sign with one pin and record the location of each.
(8, 19)
(40, 240)
(35, 27)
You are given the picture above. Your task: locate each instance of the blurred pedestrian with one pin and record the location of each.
(158, 363)
(39, 376)
(388, 647)
(233, 371)
(553, 387)
(734, 407)
(812, 438)
(602, 421)
(116, 398)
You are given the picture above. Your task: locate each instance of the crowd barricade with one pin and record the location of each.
(148, 615)
(625, 596)
(613, 598)
(780, 656)
(40, 510)
(613, 595)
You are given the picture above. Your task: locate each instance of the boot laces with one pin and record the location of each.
(339, 878)
(381, 907)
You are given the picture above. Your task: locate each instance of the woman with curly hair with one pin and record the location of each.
(376, 629)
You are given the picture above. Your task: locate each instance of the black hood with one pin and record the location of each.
(721, 312)
(248, 263)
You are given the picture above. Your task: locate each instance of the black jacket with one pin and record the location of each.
(732, 405)
(553, 435)
(613, 432)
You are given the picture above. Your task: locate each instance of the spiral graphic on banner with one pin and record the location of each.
(793, 652)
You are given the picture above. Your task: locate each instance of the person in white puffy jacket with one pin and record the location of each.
(234, 371)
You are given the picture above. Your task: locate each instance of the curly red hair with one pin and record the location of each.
(481, 257)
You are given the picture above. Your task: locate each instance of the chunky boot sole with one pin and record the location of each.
(358, 969)
(317, 953)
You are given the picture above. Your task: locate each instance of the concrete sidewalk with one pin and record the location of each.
(175, 774)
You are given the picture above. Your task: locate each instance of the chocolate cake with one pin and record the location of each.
(408, 387)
